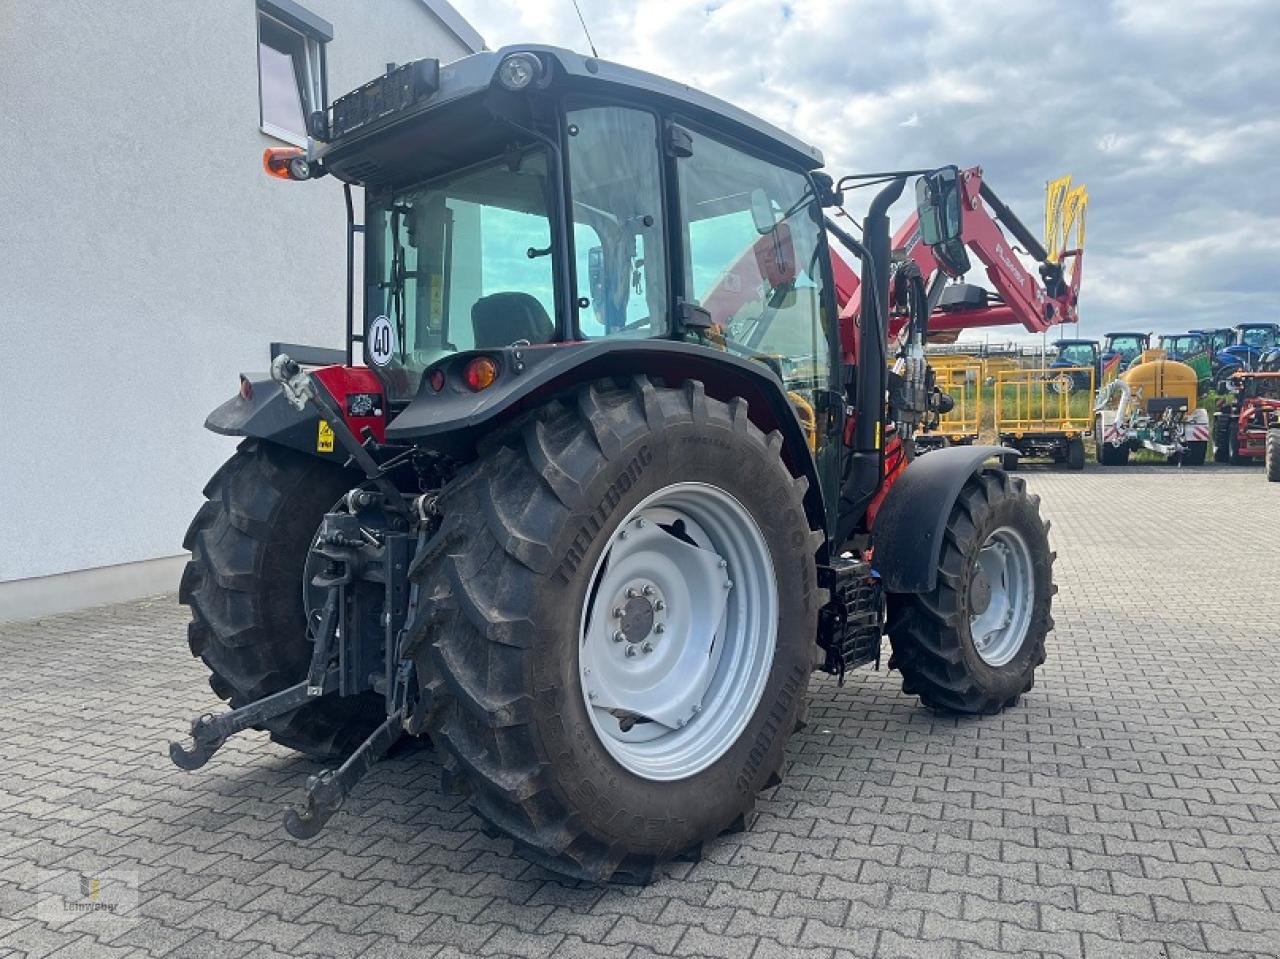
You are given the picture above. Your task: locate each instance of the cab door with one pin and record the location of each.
(755, 258)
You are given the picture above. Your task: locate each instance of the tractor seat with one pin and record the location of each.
(501, 319)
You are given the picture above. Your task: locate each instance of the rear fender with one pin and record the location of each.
(907, 536)
(455, 418)
(266, 414)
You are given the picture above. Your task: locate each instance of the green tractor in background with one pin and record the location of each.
(1193, 349)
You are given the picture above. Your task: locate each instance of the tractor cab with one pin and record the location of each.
(524, 199)
(1192, 349)
(1216, 338)
(1081, 356)
(1258, 336)
(1121, 350)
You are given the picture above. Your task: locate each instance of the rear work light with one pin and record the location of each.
(480, 373)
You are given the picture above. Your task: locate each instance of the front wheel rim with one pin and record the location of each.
(1002, 596)
(678, 631)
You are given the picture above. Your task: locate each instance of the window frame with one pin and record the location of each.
(574, 101)
(676, 225)
(314, 34)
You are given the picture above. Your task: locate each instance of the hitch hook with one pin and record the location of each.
(209, 732)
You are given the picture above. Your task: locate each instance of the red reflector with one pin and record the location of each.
(436, 380)
(480, 373)
(246, 389)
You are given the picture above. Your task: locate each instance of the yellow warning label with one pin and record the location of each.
(437, 297)
(324, 438)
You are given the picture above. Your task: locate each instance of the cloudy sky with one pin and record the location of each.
(1169, 111)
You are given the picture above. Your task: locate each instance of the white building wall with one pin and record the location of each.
(145, 259)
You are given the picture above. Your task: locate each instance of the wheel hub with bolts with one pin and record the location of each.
(1001, 596)
(674, 655)
(640, 616)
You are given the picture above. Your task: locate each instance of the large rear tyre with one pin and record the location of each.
(620, 629)
(244, 585)
(1273, 456)
(972, 644)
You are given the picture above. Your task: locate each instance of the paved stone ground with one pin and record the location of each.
(1129, 806)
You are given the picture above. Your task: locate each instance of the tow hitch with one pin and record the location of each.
(356, 639)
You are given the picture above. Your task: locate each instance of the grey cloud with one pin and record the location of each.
(1168, 111)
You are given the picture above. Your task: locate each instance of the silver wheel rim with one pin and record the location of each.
(678, 631)
(1002, 594)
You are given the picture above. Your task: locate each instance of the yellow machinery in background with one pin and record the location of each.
(1040, 412)
(960, 427)
(1152, 406)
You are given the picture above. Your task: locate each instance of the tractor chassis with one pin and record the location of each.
(1050, 444)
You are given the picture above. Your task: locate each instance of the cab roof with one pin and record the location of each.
(368, 155)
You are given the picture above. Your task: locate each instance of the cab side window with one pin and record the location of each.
(616, 192)
(752, 245)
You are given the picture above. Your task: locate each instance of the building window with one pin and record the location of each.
(291, 50)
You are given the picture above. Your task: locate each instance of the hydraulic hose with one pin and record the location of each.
(866, 460)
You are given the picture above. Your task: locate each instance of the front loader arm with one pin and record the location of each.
(1035, 302)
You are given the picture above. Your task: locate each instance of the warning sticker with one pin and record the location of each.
(324, 438)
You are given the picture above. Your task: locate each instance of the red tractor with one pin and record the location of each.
(1247, 418)
(607, 488)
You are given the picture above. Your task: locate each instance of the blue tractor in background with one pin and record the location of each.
(1121, 351)
(1249, 343)
(1079, 356)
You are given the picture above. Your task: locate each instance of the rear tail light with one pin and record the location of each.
(480, 373)
(436, 380)
(246, 389)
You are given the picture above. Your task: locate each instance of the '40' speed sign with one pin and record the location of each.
(381, 341)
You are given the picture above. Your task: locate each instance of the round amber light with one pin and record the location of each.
(480, 373)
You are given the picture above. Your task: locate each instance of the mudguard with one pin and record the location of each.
(267, 415)
(454, 418)
(909, 525)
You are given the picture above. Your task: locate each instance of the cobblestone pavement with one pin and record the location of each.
(1130, 806)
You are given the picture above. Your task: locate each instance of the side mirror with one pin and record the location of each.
(940, 208)
(762, 212)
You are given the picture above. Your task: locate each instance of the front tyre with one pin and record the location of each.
(1273, 456)
(619, 628)
(973, 643)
